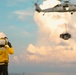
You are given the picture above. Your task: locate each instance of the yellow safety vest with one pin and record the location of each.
(4, 54)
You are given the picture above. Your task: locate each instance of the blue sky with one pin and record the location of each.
(19, 32)
(13, 26)
(17, 22)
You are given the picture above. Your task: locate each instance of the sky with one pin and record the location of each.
(35, 38)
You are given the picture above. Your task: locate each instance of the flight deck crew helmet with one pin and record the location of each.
(3, 40)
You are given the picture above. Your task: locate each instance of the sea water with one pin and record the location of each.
(42, 74)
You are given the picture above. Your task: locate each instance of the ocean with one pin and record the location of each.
(42, 74)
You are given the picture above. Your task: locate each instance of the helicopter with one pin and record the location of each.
(66, 6)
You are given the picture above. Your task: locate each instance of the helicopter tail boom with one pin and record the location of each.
(38, 9)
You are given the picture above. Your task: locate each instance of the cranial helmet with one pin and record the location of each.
(2, 39)
(2, 35)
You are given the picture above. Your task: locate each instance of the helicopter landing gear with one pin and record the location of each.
(71, 12)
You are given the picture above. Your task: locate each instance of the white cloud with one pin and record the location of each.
(50, 48)
(56, 54)
(22, 14)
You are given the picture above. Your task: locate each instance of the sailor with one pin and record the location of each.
(5, 50)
